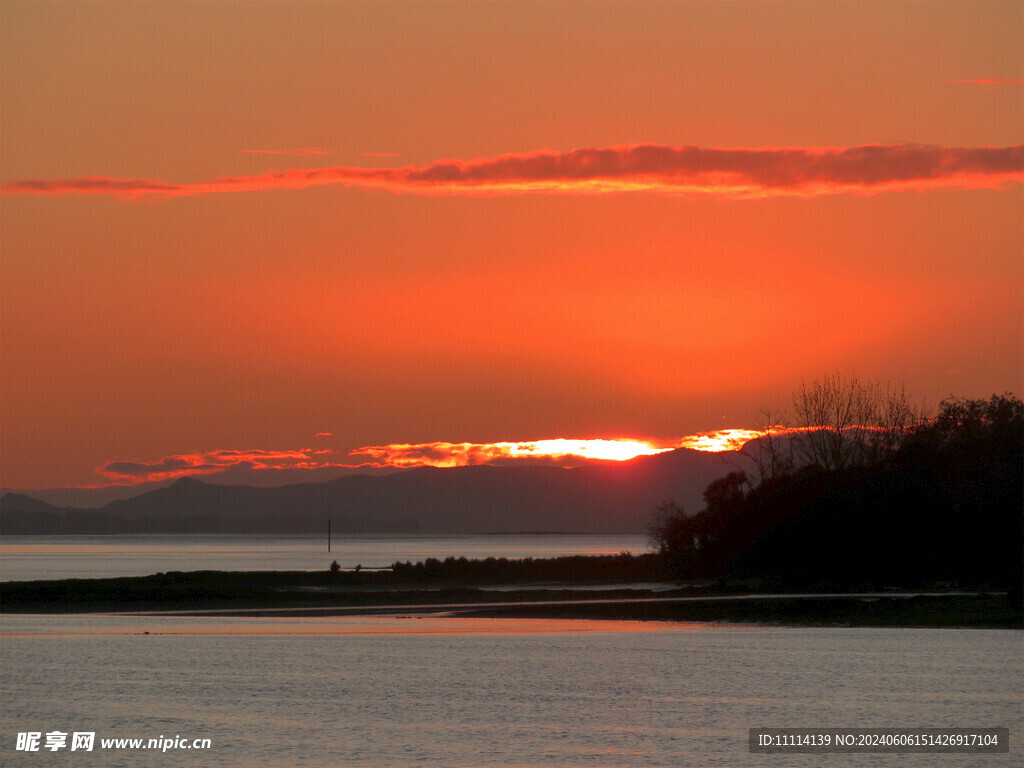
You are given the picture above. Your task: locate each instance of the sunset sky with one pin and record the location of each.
(278, 233)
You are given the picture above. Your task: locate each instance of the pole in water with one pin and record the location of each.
(328, 533)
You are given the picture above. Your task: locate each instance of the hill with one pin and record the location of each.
(599, 498)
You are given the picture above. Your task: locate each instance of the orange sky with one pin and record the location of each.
(871, 221)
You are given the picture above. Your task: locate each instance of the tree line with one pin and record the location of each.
(623, 567)
(867, 491)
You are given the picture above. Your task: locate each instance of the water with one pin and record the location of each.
(468, 693)
(432, 690)
(24, 558)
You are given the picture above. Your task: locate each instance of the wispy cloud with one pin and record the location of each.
(378, 154)
(989, 81)
(555, 451)
(550, 451)
(443, 454)
(211, 462)
(300, 152)
(730, 173)
(722, 439)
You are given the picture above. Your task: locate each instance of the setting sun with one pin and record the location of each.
(609, 450)
(443, 454)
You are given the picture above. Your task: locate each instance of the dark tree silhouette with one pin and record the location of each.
(845, 422)
(670, 529)
(941, 504)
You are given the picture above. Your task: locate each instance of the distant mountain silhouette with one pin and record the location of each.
(93, 498)
(609, 497)
(23, 503)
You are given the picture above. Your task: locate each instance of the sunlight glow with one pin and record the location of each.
(719, 440)
(442, 454)
(560, 451)
(611, 450)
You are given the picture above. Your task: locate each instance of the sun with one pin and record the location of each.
(605, 449)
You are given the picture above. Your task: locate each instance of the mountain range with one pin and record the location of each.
(608, 497)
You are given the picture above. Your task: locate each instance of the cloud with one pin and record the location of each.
(210, 462)
(564, 452)
(378, 154)
(989, 81)
(721, 439)
(443, 454)
(167, 465)
(401, 455)
(730, 173)
(300, 152)
(91, 185)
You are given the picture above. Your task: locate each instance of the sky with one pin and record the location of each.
(274, 234)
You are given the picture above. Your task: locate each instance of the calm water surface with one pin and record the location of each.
(436, 691)
(24, 558)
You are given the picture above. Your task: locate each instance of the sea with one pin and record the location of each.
(434, 690)
(28, 558)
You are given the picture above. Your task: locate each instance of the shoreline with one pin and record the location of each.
(962, 611)
(309, 594)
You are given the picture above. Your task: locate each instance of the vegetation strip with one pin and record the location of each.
(295, 594)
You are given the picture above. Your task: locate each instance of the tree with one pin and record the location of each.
(842, 422)
(960, 419)
(827, 413)
(726, 493)
(675, 537)
(900, 500)
(669, 529)
(770, 452)
(896, 419)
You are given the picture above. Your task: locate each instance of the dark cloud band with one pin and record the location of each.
(735, 173)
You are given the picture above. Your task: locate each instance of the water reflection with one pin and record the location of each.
(24, 558)
(111, 624)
